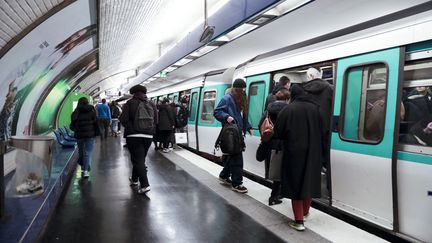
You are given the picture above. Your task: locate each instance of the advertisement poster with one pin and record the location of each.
(31, 66)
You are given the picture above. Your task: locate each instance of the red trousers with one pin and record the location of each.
(301, 208)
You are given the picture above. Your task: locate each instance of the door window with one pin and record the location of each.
(208, 106)
(256, 103)
(363, 111)
(193, 107)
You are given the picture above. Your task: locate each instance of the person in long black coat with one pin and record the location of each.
(166, 123)
(299, 125)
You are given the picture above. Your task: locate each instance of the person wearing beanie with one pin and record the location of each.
(233, 108)
(138, 141)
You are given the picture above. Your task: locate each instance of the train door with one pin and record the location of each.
(257, 88)
(414, 156)
(208, 126)
(362, 153)
(193, 116)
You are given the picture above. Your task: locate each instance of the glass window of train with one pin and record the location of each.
(364, 105)
(256, 103)
(416, 109)
(208, 106)
(193, 107)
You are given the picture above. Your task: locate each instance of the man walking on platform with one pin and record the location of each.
(139, 118)
(104, 118)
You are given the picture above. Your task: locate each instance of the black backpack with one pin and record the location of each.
(115, 112)
(230, 139)
(144, 118)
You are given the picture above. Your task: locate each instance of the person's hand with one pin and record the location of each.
(250, 132)
(230, 119)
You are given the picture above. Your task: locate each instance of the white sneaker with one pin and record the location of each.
(165, 150)
(296, 226)
(86, 174)
(143, 190)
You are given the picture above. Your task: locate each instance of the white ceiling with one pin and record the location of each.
(16, 15)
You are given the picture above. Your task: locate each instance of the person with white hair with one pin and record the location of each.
(322, 92)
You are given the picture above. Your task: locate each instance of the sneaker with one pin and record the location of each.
(86, 174)
(133, 183)
(274, 201)
(143, 190)
(165, 150)
(240, 189)
(296, 226)
(226, 181)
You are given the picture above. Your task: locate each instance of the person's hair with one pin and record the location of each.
(240, 99)
(83, 101)
(283, 94)
(313, 73)
(165, 100)
(103, 101)
(284, 80)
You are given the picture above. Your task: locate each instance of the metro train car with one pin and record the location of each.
(381, 129)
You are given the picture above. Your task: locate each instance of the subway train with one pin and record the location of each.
(381, 128)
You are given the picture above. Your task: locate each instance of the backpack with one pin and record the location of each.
(144, 118)
(115, 112)
(181, 119)
(230, 139)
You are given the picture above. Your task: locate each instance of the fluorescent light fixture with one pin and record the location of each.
(241, 30)
(170, 69)
(289, 5)
(151, 79)
(183, 62)
(261, 19)
(203, 50)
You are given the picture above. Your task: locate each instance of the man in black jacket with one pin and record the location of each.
(138, 142)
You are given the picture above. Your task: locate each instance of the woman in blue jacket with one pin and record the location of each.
(233, 109)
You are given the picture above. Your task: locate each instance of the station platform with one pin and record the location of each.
(187, 203)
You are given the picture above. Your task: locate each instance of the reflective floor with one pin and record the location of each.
(104, 208)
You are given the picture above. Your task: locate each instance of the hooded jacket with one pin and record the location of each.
(322, 92)
(84, 122)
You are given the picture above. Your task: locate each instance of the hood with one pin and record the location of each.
(85, 108)
(276, 107)
(315, 86)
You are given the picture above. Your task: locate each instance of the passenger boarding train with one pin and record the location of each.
(381, 149)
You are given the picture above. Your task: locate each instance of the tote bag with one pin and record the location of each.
(180, 137)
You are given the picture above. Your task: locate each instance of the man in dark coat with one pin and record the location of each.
(299, 127)
(166, 123)
(138, 142)
(322, 92)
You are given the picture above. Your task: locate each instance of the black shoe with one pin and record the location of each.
(133, 183)
(226, 181)
(274, 201)
(240, 189)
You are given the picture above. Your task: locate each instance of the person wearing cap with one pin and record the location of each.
(138, 143)
(233, 108)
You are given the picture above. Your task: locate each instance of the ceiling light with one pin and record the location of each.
(261, 19)
(183, 62)
(170, 69)
(241, 30)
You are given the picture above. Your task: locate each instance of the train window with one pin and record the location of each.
(208, 106)
(363, 111)
(193, 106)
(256, 95)
(416, 109)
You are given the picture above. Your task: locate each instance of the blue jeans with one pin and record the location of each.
(85, 152)
(233, 166)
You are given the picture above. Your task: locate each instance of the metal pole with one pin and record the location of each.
(2, 185)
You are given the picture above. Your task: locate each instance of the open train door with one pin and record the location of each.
(193, 118)
(362, 154)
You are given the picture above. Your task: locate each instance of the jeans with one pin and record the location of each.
(85, 152)
(114, 125)
(233, 166)
(138, 148)
(103, 127)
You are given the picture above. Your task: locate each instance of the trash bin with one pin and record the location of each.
(41, 146)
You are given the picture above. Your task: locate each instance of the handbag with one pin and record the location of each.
(266, 129)
(180, 137)
(262, 152)
(275, 165)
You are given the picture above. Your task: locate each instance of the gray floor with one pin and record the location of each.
(179, 208)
